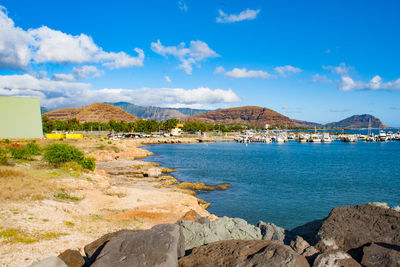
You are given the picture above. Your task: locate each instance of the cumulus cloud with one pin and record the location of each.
(83, 72)
(63, 77)
(248, 14)
(182, 5)
(19, 48)
(285, 70)
(167, 79)
(188, 56)
(56, 94)
(243, 73)
(320, 79)
(342, 69)
(376, 83)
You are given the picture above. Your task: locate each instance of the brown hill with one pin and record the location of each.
(358, 121)
(248, 115)
(96, 112)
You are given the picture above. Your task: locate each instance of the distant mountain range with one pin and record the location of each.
(247, 115)
(157, 113)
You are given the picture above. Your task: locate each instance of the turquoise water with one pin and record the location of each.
(287, 184)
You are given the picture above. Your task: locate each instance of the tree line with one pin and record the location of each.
(141, 125)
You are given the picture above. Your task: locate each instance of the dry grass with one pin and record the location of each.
(12, 235)
(17, 185)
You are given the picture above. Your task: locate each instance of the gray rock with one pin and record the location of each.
(270, 231)
(159, 246)
(93, 249)
(381, 255)
(396, 208)
(197, 234)
(50, 262)
(237, 253)
(335, 258)
(299, 245)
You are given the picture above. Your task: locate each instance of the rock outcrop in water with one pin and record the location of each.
(362, 235)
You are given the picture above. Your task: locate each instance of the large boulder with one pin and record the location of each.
(72, 258)
(159, 246)
(93, 249)
(377, 255)
(50, 262)
(349, 228)
(197, 234)
(335, 258)
(270, 231)
(243, 253)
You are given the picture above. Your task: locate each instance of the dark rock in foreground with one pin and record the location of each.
(243, 253)
(72, 258)
(349, 228)
(159, 246)
(381, 255)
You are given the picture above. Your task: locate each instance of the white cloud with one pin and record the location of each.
(376, 83)
(167, 79)
(284, 70)
(20, 48)
(243, 73)
(56, 94)
(63, 77)
(83, 72)
(182, 5)
(342, 69)
(247, 14)
(320, 79)
(188, 56)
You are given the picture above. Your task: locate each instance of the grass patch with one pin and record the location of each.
(69, 224)
(61, 194)
(12, 235)
(51, 235)
(19, 185)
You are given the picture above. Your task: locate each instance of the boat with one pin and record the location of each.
(315, 138)
(382, 136)
(326, 138)
(280, 139)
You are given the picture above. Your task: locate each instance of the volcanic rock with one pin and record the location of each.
(335, 258)
(159, 246)
(72, 258)
(270, 231)
(381, 255)
(50, 262)
(351, 227)
(243, 253)
(197, 234)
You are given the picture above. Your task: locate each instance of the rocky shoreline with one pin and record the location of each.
(361, 235)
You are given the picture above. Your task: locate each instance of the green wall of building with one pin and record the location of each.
(20, 117)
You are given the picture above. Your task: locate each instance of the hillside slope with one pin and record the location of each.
(248, 115)
(357, 121)
(95, 112)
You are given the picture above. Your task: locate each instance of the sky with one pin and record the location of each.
(319, 61)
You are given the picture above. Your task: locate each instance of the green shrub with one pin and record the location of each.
(20, 153)
(3, 156)
(63, 195)
(33, 149)
(7, 141)
(88, 163)
(59, 153)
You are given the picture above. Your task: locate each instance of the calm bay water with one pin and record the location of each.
(287, 184)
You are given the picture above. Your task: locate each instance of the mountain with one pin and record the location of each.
(95, 112)
(357, 121)
(248, 115)
(306, 124)
(157, 113)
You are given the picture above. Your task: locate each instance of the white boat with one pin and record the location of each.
(280, 139)
(383, 136)
(315, 138)
(350, 138)
(326, 138)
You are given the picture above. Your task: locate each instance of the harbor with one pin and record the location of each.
(316, 137)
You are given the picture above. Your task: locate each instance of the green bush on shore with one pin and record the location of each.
(61, 153)
(3, 156)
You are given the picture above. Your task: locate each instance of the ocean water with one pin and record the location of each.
(287, 184)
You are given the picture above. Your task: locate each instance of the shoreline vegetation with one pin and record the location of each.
(47, 207)
(68, 210)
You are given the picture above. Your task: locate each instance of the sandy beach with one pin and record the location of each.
(124, 192)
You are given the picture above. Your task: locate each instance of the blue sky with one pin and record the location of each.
(319, 61)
